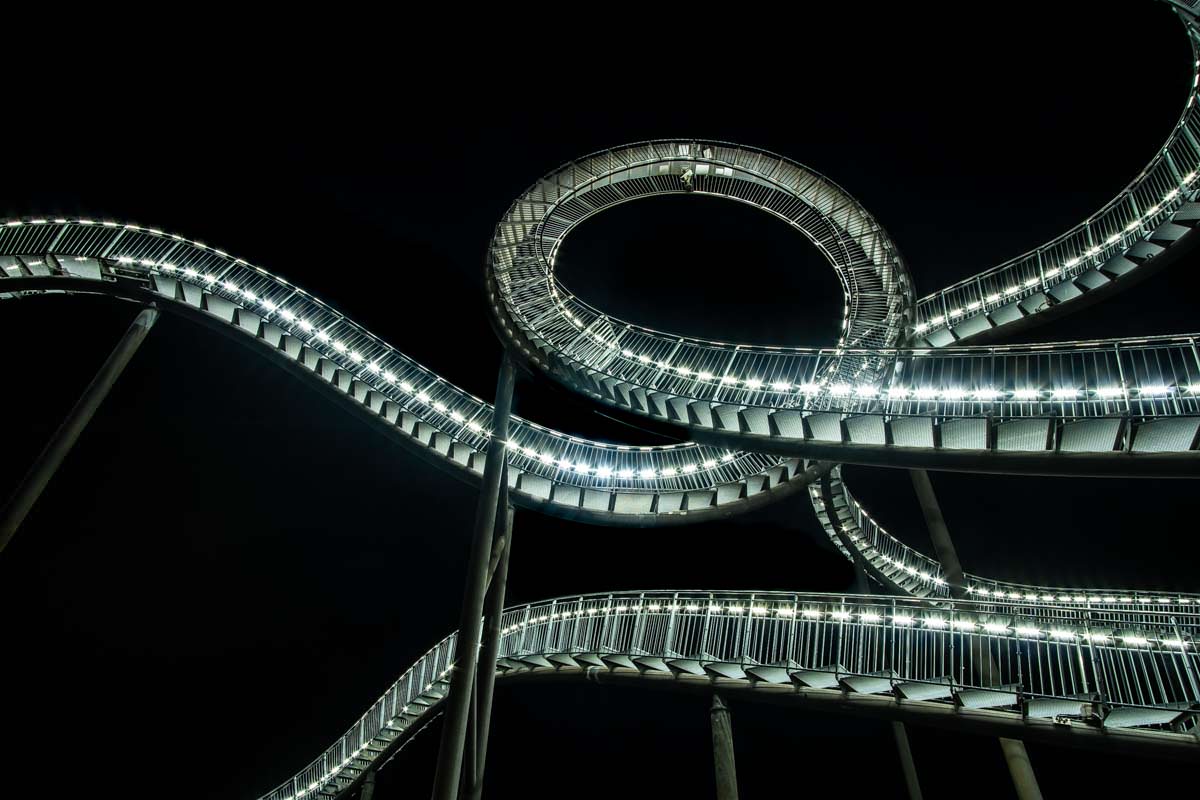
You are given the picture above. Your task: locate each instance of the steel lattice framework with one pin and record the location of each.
(903, 386)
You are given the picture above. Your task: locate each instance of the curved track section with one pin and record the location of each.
(892, 391)
(904, 569)
(550, 471)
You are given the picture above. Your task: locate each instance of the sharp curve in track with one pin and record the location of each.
(905, 385)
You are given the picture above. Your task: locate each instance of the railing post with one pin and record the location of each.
(1187, 662)
(77, 419)
(637, 640)
(462, 675)
(669, 646)
(707, 621)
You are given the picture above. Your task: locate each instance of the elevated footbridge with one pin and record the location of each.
(907, 384)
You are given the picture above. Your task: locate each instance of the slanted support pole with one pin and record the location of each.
(723, 761)
(906, 761)
(368, 787)
(462, 675)
(68, 433)
(862, 583)
(485, 676)
(943, 545)
(1024, 781)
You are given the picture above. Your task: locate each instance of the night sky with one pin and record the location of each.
(228, 569)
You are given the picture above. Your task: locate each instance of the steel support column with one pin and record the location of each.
(65, 437)
(1024, 781)
(906, 761)
(368, 787)
(462, 676)
(723, 760)
(485, 675)
(862, 582)
(907, 765)
(943, 545)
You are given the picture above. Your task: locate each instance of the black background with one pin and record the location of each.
(227, 570)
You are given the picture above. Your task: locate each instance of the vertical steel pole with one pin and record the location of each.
(65, 437)
(462, 675)
(723, 762)
(906, 761)
(485, 676)
(1024, 781)
(470, 756)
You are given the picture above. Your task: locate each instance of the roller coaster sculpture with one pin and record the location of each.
(907, 384)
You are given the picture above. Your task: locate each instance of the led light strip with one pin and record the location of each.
(1005, 296)
(985, 622)
(323, 341)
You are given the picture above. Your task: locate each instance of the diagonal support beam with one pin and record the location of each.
(907, 764)
(68, 433)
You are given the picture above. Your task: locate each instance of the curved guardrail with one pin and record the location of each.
(890, 392)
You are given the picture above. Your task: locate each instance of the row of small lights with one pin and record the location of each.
(870, 392)
(422, 396)
(604, 473)
(951, 394)
(394, 722)
(981, 395)
(1075, 598)
(844, 615)
(1000, 594)
(976, 305)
